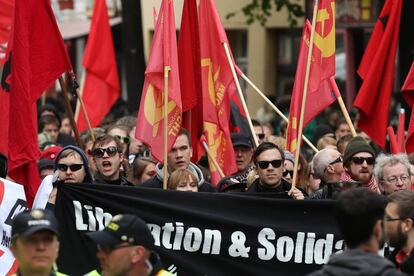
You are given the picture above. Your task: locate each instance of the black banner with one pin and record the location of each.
(202, 233)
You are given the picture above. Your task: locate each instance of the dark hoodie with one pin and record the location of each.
(88, 177)
(356, 262)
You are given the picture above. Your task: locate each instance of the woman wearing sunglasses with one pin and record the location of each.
(71, 167)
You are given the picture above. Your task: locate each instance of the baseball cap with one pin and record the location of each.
(241, 140)
(50, 153)
(29, 222)
(124, 228)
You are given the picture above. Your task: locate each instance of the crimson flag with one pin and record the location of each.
(190, 74)
(320, 93)
(6, 18)
(216, 81)
(101, 86)
(150, 121)
(408, 93)
(377, 72)
(33, 64)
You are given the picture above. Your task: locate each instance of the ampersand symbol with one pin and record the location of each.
(238, 248)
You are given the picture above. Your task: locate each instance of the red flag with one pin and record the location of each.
(216, 80)
(190, 74)
(35, 63)
(320, 92)
(408, 93)
(6, 18)
(150, 122)
(377, 72)
(101, 87)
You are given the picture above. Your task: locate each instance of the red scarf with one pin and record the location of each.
(372, 184)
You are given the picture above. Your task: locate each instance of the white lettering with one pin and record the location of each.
(268, 252)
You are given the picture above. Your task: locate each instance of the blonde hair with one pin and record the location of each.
(277, 140)
(180, 175)
(326, 141)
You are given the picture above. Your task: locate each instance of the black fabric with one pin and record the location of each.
(280, 191)
(407, 266)
(236, 234)
(65, 140)
(121, 181)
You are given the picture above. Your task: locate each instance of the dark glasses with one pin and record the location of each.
(360, 160)
(123, 139)
(337, 160)
(285, 173)
(265, 164)
(261, 136)
(72, 167)
(100, 152)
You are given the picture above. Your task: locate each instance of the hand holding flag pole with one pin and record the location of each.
(305, 93)
(278, 112)
(342, 105)
(236, 80)
(165, 169)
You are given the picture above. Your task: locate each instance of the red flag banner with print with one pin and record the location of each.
(151, 116)
(377, 72)
(216, 80)
(34, 62)
(320, 93)
(408, 93)
(101, 86)
(190, 74)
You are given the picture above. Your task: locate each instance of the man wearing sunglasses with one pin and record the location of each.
(269, 162)
(120, 132)
(359, 160)
(399, 229)
(108, 157)
(328, 167)
(392, 173)
(126, 247)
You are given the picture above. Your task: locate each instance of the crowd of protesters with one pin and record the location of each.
(113, 156)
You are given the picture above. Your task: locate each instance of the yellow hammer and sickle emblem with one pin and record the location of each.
(326, 43)
(154, 110)
(206, 62)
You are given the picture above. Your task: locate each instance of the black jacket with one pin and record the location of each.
(122, 181)
(282, 189)
(407, 266)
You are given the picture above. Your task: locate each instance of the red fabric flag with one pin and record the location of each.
(150, 122)
(408, 93)
(6, 18)
(35, 63)
(216, 80)
(101, 87)
(377, 72)
(320, 92)
(190, 75)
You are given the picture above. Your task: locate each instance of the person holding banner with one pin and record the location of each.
(35, 243)
(126, 247)
(269, 162)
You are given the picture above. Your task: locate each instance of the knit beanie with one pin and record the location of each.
(88, 176)
(356, 145)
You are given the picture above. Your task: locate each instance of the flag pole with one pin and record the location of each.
(305, 93)
(220, 171)
(79, 93)
(342, 105)
(280, 113)
(400, 130)
(165, 170)
(70, 111)
(236, 80)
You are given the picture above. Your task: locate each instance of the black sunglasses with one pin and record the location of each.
(123, 139)
(261, 136)
(265, 164)
(72, 167)
(337, 160)
(100, 152)
(285, 173)
(360, 160)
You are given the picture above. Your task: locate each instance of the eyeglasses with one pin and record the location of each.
(123, 139)
(72, 167)
(265, 164)
(394, 179)
(285, 173)
(387, 218)
(261, 136)
(337, 160)
(360, 160)
(100, 152)
(108, 249)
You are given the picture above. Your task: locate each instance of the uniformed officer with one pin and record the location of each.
(125, 247)
(35, 243)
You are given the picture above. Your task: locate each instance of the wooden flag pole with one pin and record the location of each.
(70, 111)
(278, 112)
(236, 80)
(79, 93)
(342, 105)
(305, 93)
(205, 146)
(165, 180)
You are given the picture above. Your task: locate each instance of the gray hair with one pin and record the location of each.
(390, 160)
(321, 161)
